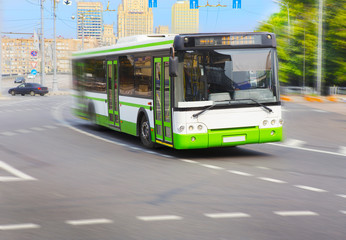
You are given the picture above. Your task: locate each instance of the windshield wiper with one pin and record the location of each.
(206, 109)
(258, 103)
(211, 106)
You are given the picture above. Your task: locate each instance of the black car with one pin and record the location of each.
(29, 88)
(19, 80)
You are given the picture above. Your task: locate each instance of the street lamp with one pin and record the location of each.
(288, 14)
(82, 17)
(55, 82)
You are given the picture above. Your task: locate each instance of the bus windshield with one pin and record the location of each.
(226, 75)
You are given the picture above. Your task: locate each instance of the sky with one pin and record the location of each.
(24, 16)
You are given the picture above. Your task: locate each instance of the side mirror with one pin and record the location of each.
(173, 66)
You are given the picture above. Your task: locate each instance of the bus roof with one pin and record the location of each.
(152, 42)
(125, 45)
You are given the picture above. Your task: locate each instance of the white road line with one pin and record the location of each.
(227, 215)
(318, 110)
(294, 142)
(307, 149)
(341, 195)
(263, 168)
(310, 188)
(89, 221)
(212, 166)
(188, 161)
(344, 212)
(295, 213)
(271, 180)
(159, 218)
(37, 128)
(9, 134)
(22, 176)
(23, 131)
(19, 226)
(240, 173)
(50, 126)
(342, 150)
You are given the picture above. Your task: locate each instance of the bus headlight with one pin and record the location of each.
(273, 122)
(265, 122)
(281, 121)
(190, 128)
(181, 128)
(199, 127)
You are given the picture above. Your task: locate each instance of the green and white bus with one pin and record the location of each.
(183, 91)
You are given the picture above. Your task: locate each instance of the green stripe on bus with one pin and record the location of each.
(124, 48)
(134, 105)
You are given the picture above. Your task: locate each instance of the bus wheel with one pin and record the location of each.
(144, 133)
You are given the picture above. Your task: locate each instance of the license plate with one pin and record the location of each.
(234, 139)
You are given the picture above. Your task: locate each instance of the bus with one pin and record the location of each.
(185, 91)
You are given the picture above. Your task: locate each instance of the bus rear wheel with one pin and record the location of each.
(144, 133)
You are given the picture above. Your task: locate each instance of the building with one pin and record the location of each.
(17, 58)
(90, 17)
(134, 18)
(184, 19)
(109, 37)
(162, 29)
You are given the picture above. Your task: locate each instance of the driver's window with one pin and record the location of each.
(21, 85)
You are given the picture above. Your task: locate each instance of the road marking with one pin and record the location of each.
(296, 213)
(320, 111)
(263, 168)
(310, 188)
(344, 212)
(294, 143)
(9, 134)
(20, 176)
(341, 195)
(159, 218)
(212, 166)
(342, 150)
(240, 173)
(188, 161)
(37, 128)
(271, 180)
(88, 221)
(227, 215)
(307, 149)
(50, 126)
(23, 131)
(19, 226)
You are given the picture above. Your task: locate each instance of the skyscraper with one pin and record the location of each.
(184, 19)
(90, 17)
(134, 18)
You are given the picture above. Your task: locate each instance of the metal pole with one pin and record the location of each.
(42, 48)
(55, 82)
(0, 62)
(304, 62)
(319, 47)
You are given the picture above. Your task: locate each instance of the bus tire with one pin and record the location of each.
(145, 133)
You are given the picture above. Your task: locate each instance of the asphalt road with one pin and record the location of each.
(62, 178)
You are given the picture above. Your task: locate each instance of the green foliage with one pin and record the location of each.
(302, 35)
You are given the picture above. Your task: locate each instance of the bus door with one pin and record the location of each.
(112, 93)
(163, 118)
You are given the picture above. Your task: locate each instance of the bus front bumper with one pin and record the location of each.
(227, 137)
